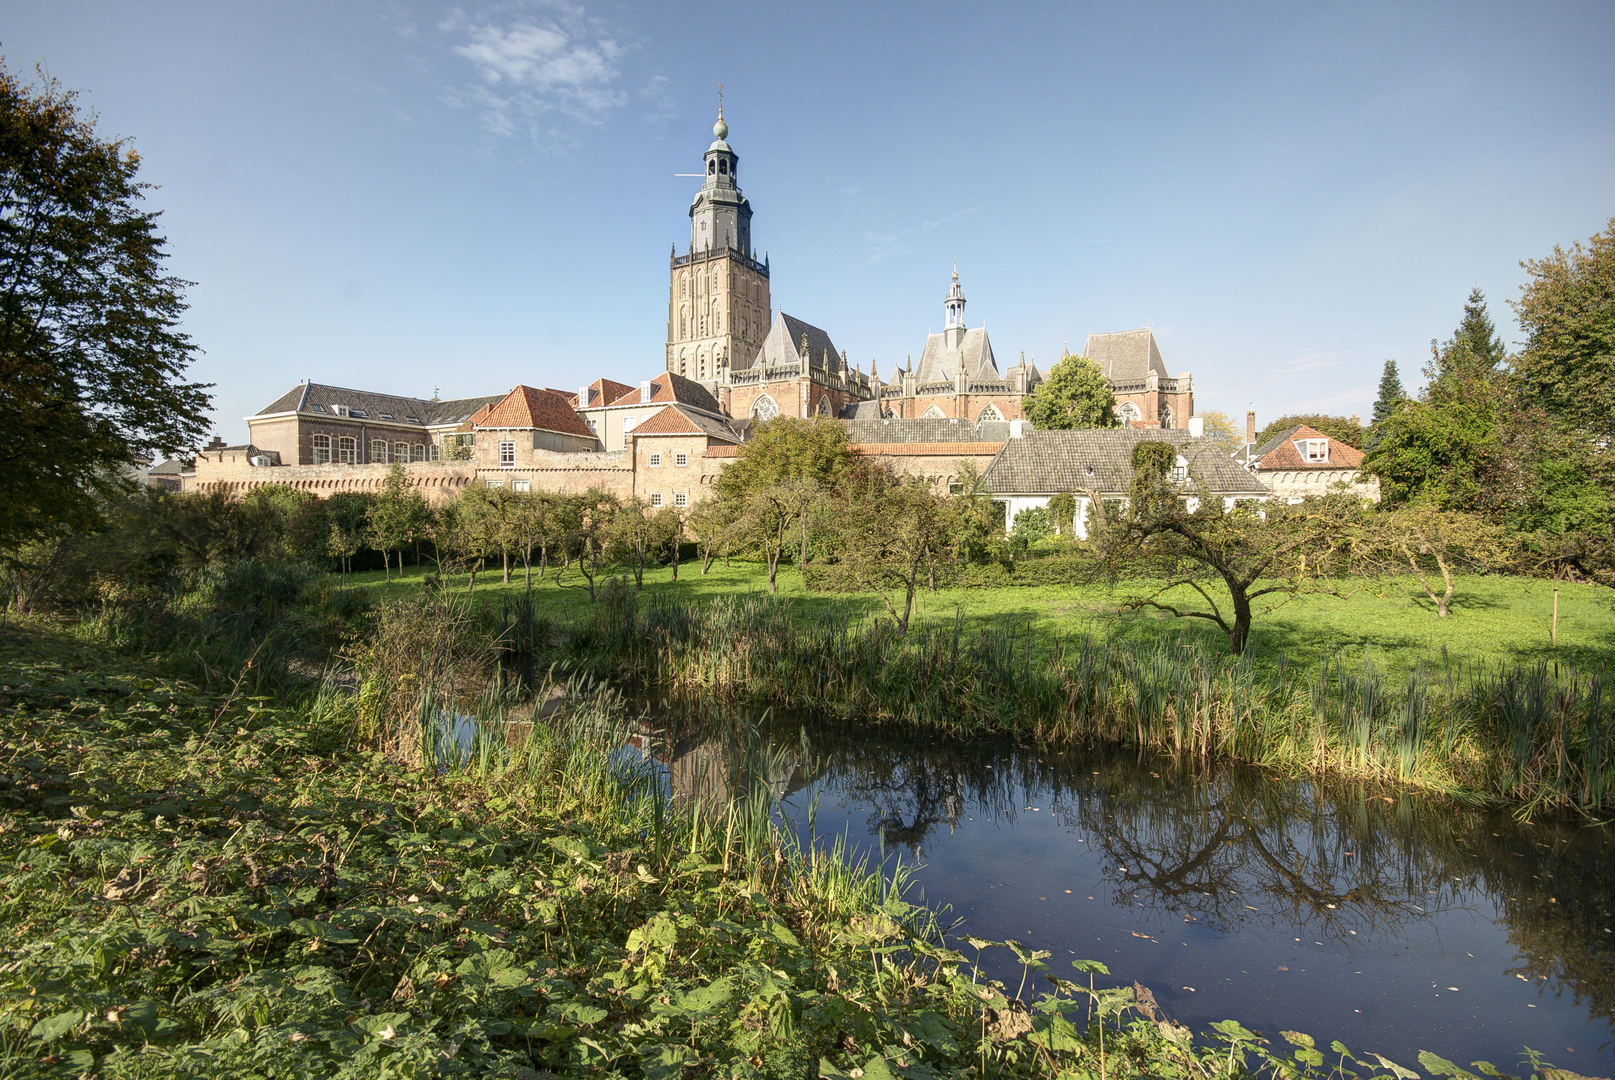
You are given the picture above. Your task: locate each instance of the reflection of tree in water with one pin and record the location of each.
(1234, 845)
(1216, 844)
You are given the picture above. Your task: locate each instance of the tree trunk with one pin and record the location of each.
(387, 564)
(908, 598)
(527, 568)
(471, 586)
(707, 555)
(802, 563)
(504, 559)
(773, 567)
(675, 559)
(400, 564)
(1242, 618)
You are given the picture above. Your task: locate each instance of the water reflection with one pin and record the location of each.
(1387, 896)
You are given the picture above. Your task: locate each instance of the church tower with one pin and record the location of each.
(718, 307)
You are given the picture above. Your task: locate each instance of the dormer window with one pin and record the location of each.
(413, 419)
(384, 416)
(359, 414)
(1316, 450)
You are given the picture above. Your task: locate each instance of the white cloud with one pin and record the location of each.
(546, 61)
(886, 245)
(1309, 362)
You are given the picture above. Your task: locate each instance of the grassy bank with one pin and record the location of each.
(203, 882)
(1494, 619)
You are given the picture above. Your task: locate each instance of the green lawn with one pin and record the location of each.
(1493, 618)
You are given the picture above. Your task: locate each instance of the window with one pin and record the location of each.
(989, 413)
(493, 483)
(359, 414)
(317, 408)
(378, 451)
(681, 460)
(507, 455)
(434, 452)
(413, 419)
(681, 499)
(521, 485)
(629, 423)
(655, 460)
(1317, 450)
(384, 416)
(1129, 413)
(322, 449)
(420, 451)
(401, 451)
(933, 413)
(656, 498)
(347, 450)
(764, 408)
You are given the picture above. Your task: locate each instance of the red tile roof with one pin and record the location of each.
(675, 420)
(528, 407)
(1284, 455)
(668, 388)
(606, 392)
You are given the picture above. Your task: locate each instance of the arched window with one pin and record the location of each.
(1129, 413)
(824, 405)
(764, 408)
(347, 450)
(401, 451)
(322, 449)
(933, 413)
(684, 323)
(378, 451)
(1166, 415)
(420, 451)
(989, 413)
(712, 168)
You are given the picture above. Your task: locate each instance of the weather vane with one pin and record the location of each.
(720, 99)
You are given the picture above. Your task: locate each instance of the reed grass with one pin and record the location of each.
(1531, 735)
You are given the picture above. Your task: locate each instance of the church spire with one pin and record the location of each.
(955, 303)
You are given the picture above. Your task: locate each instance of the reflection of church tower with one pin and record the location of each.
(718, 306)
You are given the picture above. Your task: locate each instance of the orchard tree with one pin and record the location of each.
(1075, 394)
(886, 530)
(1431, 543)
(716, 523)
(1228, 557)
(91, 355)
(1567, 310)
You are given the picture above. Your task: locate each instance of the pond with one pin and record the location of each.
(1388, 921)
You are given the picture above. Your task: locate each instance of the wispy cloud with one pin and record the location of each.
(1309, 362)
(886, 245)
(536, 65)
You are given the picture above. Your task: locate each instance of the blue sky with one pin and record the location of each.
(403, 197)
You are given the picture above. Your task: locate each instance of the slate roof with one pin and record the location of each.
(1050, 462)
(319, 399)
(783, 345)
(939, 363)
(921, 431)
(1126, 355)
(172, 467)
(1280, 452)
(544, 410)
(682, 420)
(668, 388)
(861, 410)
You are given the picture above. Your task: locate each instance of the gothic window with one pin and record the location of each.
(322, 449)
(712, 168)
(1166, 415)
(765, 408)
(1129, 413)
(933, 413)
(824, 405)
(989, 413)
(684, 323)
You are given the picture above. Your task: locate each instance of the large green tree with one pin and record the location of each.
(1567, 310)
(1391, 397)
(1076, 394)
(785, 449)
(91, 354)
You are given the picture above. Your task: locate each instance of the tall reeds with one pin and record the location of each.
(1530, 735)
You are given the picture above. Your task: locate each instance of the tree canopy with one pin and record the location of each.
(1221, 429)
(788, 448)
(1076, 394)
(1339, 428)
(1567, 310)
(91, 355)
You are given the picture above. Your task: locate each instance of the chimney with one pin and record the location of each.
(1250, 427)
(1197, 427)
(1019, 428)
(644, 391)
(1356, 421)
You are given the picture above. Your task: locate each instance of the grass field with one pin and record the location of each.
(1493, 619)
